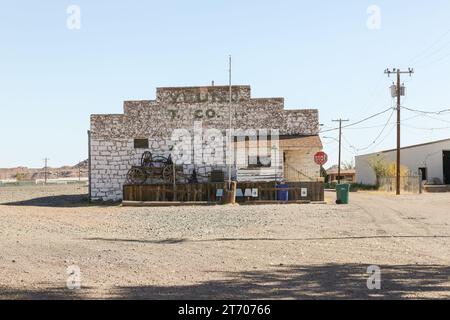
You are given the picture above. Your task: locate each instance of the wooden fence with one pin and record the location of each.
(410, 184)
(208, 192)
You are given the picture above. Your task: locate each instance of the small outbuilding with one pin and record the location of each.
(347, 175)
(430, 161)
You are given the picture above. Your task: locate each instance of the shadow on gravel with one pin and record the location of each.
(328, 281)
(77, 200)
(50, 293)
(59, 201)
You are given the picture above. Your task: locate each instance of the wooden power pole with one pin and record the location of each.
(398, 92)
(340, 146)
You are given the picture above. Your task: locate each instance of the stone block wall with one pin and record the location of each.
(112, 136)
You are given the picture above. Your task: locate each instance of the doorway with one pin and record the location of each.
(423, 173)
(446, 166)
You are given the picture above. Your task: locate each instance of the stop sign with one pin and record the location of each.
(320, 158)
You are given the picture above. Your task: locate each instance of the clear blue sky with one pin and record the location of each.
(315, 54)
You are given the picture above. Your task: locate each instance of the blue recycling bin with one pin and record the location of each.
(282, 195)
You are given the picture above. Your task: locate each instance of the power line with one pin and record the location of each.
(386, 125)
(427, 115)
(429, 129)
(434, 52)
(383, 124)
(385, 137)
(368, 118)
(373, 95)
(430, 117)
(350, 145)
(377, 137)
(418, 57)
(427, 112)
(379, 134)
(435, 61)
(343, 146)
(358, 122)
(388, 134)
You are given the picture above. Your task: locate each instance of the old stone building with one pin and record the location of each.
(117, 141)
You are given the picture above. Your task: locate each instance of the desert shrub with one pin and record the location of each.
(354, 187)
(20, 176)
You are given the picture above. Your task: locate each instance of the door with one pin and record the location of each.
(446, 166)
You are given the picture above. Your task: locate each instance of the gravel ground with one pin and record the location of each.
(243, 252)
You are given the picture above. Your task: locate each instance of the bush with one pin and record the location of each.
(354, 187)
(358, 186)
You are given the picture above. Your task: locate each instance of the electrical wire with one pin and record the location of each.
(382, 125)
(354, 152)
(342, 145)
(375, 93)
(433, 118)
(386, 136)
(358, 122)
(423, 54)
(379, 134)
(428, 129)
(376, 142)
(368, 118)
(427, 112)
(435, 61)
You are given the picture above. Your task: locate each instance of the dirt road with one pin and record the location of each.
(287, 251)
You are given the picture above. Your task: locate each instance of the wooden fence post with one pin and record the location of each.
(233, 192)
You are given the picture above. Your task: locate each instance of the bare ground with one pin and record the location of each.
(242, 252)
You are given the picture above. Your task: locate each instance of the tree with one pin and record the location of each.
(382, 168)
(348, 165)
(379, 166)
(392, 170)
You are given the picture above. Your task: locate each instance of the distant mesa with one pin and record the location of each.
(25, 173)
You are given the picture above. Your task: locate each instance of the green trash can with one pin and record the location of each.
(342, 193)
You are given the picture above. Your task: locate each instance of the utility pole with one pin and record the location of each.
(397, 92)
(340, 144)
(45, 169)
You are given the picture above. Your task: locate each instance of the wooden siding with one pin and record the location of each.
(206, 192)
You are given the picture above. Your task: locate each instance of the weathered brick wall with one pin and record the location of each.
(112, 149)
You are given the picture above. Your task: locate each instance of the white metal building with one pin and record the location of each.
(430, 160)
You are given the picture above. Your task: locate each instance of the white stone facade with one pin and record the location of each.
(112, 151)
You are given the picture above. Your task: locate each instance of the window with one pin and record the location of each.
(259, 162)
(141, 143)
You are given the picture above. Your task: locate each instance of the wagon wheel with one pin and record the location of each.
(136, 176)
(147, 159)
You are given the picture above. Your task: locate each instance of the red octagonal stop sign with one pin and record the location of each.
(320, 158)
